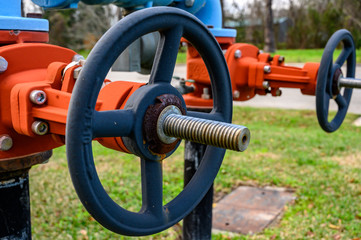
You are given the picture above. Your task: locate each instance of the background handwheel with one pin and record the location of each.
(328, 77)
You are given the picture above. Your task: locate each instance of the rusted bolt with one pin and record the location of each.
(267, 69)
(40, 127)
(5, 142)
(238, 53)
(38, 97)
(3, 65)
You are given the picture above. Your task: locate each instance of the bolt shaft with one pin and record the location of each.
(219, 134)
(349, 82)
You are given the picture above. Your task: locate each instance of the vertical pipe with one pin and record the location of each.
(15, 205)
(198, 224)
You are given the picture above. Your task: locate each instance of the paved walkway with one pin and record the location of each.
(290, 99)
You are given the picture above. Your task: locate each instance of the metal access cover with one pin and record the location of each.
(249, 210)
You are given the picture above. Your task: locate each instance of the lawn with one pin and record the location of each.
(291, 55)
(288, 149)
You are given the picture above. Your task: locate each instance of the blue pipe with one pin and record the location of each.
(211, 15)
(10, 18)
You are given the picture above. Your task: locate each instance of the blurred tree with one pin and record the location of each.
(79, 28)
(269, 36)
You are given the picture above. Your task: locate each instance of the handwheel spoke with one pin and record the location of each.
(341, 102)
(114, 123)
(346, 52)
(152, 187)
(208, 116)
(166, 55)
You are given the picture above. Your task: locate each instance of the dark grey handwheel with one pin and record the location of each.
(84, 123)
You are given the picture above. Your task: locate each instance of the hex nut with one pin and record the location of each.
(6, 142)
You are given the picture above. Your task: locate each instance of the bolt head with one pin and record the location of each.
(189, 3)
(238, 53)
(40, 127)
(267, 69)
(77, 58)
(6, 142)
(38, 97)
(278, 92)
(3, 65)
(236, 94)
(265, 85)
(76, 72)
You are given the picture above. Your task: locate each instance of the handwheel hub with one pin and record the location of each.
(166, 104)
(335, 81)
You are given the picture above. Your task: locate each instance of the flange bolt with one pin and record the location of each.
(267, 69)
(265, 85)
(5, 142)
(40, 127)
(77, 58)
(238, 53)
(3, 65)
(38, 97)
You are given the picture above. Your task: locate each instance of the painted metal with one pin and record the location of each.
(328, 75)
(83, 121)
(15, 220)
(198, 223)
(15, 205)
(10, 18)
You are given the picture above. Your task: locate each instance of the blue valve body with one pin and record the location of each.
(10, 18)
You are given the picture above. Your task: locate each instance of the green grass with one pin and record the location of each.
(288, 149)
(291, 55)
(181, 58)
(306, 55)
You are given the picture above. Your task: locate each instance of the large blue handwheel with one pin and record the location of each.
(329, 74)
(84, 123)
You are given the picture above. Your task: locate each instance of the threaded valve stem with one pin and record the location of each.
(209, 132)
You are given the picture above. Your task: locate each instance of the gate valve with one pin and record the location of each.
(331, 80)
(154, 114)
(252, 72)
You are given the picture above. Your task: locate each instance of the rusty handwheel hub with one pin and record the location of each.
(165, 105)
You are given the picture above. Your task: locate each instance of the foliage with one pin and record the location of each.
(78, 28)
(312, 22)
(288, 149)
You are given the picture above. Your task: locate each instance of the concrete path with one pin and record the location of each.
(290, 99)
